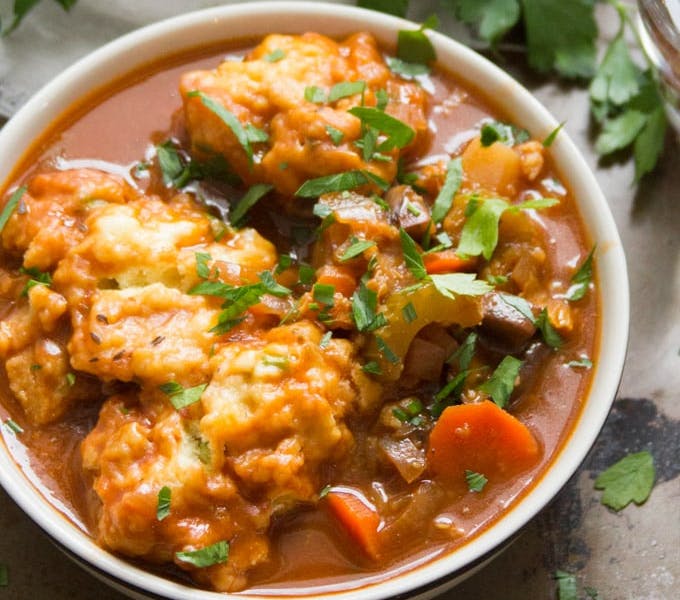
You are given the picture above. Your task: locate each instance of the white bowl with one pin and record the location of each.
(239, 21)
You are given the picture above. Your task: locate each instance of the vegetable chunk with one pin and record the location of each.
(482, 438)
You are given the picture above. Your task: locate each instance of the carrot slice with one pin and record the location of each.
(482, 438)
(341, 278)
(447, 261)
(358, 517)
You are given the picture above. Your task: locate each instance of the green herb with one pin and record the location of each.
(364, 309)
(465, 352)
(496, 131)
(254, 193)
(548, 141)
(280, 362)
(566, 586)
(173, 169)
(386, 351)
(11, 205)
(315, 94)
(338, 182)
(345, 89)
(335, 134)
(409, 413)
(379, 181)
(460, 284)
(324, 491)
(324, 293)
(493, 18)
(356, 248)
(211, 288)
(519, 304)
(454, 177)
(13, 426)
(409, 312)
(275, 55)
(163, 503)
(205, 557)
(4, 575)
(285, 262)
(497, 279)
(398, 133)
(502, 381)
(271, 286)
(325, 340)
(475, 481)
(381, 99)
(413, 259)
(372, 367)
(397, 8)
(228, 118)
(202, 268)
(70, 379)
(237, 301)
(581, 279)
(181, 397)
(629, 480)
(306, 274)
(255, 135)
(550, 335)
(414, 46)
(37, 278)
(583, 363)
(407, 70)
(22, 7)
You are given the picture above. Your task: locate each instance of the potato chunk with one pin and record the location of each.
(271, 97)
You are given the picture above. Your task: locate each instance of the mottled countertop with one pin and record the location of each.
(633, 554)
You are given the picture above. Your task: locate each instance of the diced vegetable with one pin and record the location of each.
(495, 168)
(357, 516)
(482, 438)
(447, 261)
(430, 307)
(341, 278)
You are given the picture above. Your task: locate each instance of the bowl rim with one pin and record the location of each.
(174, 35)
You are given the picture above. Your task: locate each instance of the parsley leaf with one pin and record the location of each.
(550, 138)
(251, 197)
(325, 340)
(620, 131)
(386, 351)
(344, 89)
(391, 7)
(460, 284)
(617, 77)
(372, 367)
(275, 56)
(566, 586)
(502, 381)
(475, 481)
(163, 503)
(454, 177)
(414, 46)
(629, 480)
(493, 18)
(409, 313)
(407, 70)
(37, 278)
(398, 133)
(338, 182)
(11, 205)
(205, 557)
(335, 134)
(581, 279)
(324, 294)
(271, 286)
(561, 36)
(315, 94)
(364, 308)
(356, 248)
(414, 261)
(582, 363)
(480, 231)
(550, 335)
(181, 397)
(202, 268)
(13, 426)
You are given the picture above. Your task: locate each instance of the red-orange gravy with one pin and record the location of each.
(118, 127)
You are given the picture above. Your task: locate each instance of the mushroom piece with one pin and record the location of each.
(409, 209)
(505, 324)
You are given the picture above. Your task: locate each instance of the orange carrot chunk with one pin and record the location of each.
(341, 278)
(482, 438)
(358, 517)
(447, 261)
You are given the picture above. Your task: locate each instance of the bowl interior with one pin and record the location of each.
(247, 20)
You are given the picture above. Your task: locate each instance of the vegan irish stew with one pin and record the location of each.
(302, 313)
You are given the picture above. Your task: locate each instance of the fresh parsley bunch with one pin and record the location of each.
(561, 37)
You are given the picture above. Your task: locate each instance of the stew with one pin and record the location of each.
(303, 315)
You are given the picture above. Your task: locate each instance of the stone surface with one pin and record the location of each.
(630, 555)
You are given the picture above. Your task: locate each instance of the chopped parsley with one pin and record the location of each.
(550, 335)
(272, 360)
(409, 312)
(37, 278)
(398, 133)
(251, 197)
(364, 308)
(502, 381)
(325, 340)
(181, 397)
(315, 94)
(163, 503)
(582, 363)
(413, 45)
(372, 367)
(13, 426)
(412, 257)
(324, 294)
(206, 557)
(324, 491)
(454, 177)
(4, 575)
(356, 248)
(275, 56)
(70, 379)
(335, 134)
(581, 279)
(629, 480)
(475, 481)
(459, 284)
(338, 182)
(11, 205)
(202, 268)
(407, 70)
(496, 131)
(386, 351)
(548, 141)
(566, 586)
(345, 89)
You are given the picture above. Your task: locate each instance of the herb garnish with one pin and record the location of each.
(205, 557)
(413, 45)
(496, 131)
(254, 193)
(163, 503)
(364, 308)
(398, 133)
(315, 94)
(386, 351)
(502, 381)
(11, 205)
(13, 426)
(566, 586)
(548, 141)
(70, 379)
(409, 312)
(275, 56)
(356, 248)
(582, 363)
(37, 278)
(542, 321)
(475, 481)
(325, 340)
(345, 89)
(337, 182)
(181, 397)
(335, 134)
(372, 367)
(324, 294)
(410, 413)
(581, 279)
(454, 177)
(629, 480)
(202, 268)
